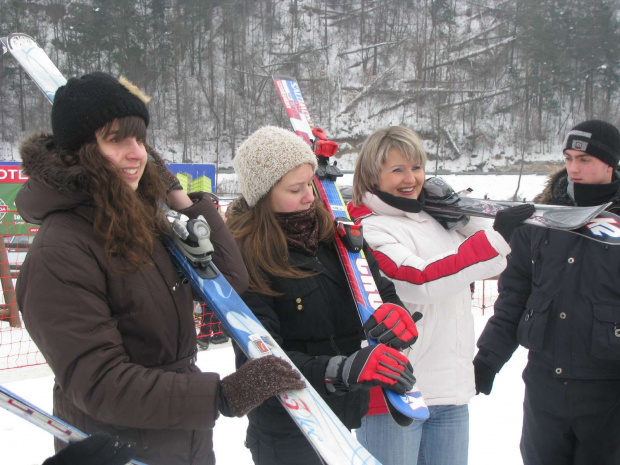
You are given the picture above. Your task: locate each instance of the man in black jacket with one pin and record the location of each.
(560, 298)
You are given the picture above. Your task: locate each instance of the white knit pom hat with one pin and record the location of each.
(265, 157)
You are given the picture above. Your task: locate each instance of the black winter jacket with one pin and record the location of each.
(314, 320)
(559, 298)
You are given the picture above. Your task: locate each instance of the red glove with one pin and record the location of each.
(392, 325)
(377, 365)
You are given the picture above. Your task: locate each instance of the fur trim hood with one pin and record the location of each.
(555, 191)
(43, 162)
(555, 182)
(54, 183)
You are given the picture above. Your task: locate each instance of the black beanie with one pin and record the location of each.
(84, 105)
(597, 138)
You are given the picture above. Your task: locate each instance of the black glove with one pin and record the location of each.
(484, 375)
(170, 180)
(392, 325)
(377, 365)
(98, 449)
(507, 220)
(254, 382)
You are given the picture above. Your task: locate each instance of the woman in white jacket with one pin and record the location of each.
(431, 268)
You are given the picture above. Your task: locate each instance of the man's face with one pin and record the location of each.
(586, 169)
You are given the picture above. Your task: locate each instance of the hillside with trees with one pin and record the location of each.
(487, 83)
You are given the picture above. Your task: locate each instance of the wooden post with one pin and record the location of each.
(9, 310)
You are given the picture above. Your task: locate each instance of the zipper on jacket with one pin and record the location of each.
(334, 345)
(535, 257)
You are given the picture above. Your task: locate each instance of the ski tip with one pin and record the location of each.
(19, 36)
(400, 418)
(406, 408)
(605, 228)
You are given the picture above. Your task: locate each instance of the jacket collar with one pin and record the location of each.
(555, 190)
(373, 205)
(314, 264)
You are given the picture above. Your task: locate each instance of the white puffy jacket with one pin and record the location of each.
(431, 269)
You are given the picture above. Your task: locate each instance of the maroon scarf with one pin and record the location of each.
(301, 230)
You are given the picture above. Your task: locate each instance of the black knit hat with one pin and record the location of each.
(84, 105)
(597, 138)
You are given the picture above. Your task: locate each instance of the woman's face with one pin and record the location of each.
(400, 177)
(128, 155)
(294, 191)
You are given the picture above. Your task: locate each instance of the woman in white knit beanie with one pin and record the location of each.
(299, 291)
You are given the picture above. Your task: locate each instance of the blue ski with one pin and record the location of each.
(330, 438)
(411, 405)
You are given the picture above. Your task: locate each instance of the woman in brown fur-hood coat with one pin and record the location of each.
(98, 291)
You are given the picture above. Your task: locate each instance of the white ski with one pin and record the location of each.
(65, 432)
(35, 62)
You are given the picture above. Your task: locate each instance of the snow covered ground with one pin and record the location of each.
(495, 426)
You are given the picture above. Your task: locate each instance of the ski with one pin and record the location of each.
(593, 223)
(332, 441)
(411, 405)
(190, 250)
(35, 62)
(16, 405)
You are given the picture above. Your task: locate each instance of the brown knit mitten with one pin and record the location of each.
(170, 180)
(254, 382)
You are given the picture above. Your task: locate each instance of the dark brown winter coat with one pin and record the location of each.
(122, 347)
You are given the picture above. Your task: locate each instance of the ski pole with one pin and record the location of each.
(22, 408)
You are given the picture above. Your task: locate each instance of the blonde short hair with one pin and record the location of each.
(375, 152)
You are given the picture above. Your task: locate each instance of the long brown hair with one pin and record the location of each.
(129, 222)
(262, 242)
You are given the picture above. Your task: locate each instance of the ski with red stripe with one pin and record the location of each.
(11, 402)
(411, 405)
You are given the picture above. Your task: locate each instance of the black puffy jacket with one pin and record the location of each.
(314, 320)
(559, 298)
